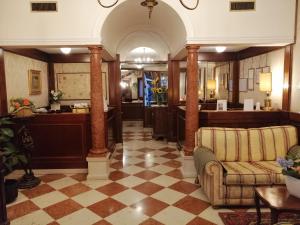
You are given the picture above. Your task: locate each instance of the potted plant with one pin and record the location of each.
(11, 157)
(21, 107)
(291, 170)
(54, 99)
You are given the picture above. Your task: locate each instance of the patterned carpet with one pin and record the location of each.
(248, 218)
(145, 187)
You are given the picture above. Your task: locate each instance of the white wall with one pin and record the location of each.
(295, 105)
(16, 71)
(275, 60)
(80, 22)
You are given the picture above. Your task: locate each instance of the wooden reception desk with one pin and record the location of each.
(62, 140)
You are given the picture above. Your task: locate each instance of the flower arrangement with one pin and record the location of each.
(160, 93)
(55, 96)
(16, 104)
(291, 166)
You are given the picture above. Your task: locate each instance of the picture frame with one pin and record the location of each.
(34, 82)
(257, 72)
(221, 105)
(243, 85)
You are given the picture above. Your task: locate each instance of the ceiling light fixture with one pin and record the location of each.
(65, 50)
(220, 49)
(150, 4)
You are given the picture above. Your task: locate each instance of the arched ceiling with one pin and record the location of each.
(128, 27)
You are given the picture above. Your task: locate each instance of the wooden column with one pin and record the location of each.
(51, 76)
(97, 109)
(235, 82)
(3, 95)
(173, 98)
(3, 213)
(287, 82)
(191, 116)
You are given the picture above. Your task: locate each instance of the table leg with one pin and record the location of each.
(274, 216)
(257, 205)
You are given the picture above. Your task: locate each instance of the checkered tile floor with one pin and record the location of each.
(145, 187)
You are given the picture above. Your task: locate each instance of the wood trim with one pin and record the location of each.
(119, 132)
(235, 82)
(254, 51)
(287, 80)
(72, 58)
(3, 94)
(51, 76)
(29, 52)
(216, 57)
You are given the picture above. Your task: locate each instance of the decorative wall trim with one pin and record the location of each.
(287, 79)
(30, 53)
(3, 95)
(254, 51)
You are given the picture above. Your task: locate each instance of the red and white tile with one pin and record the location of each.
(145, 187)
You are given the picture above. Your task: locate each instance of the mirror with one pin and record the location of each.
(214, 82)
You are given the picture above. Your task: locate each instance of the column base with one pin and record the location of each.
(188, 167)
(98, 167)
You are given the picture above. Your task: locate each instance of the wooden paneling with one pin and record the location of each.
(148, 114)
(287, 82)
(235, 82)
(51, 76)
(132, 111)
(63, 140)
(71, 58)
(160, 121)
(217, 57)
(30, 53)
(254, 51)
(3, 95)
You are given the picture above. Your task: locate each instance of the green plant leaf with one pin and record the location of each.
(7, 132)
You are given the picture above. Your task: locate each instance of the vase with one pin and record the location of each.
(55, 106)
(292, 185)
(11, 190)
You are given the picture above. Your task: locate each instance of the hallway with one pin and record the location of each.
(145, 187)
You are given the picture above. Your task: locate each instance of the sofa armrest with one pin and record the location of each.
(213, 168)
(202, 156)
(294, 152)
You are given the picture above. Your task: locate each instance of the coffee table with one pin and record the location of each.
(278, 199)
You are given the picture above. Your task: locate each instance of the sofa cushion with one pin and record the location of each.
(246, 173)
(228, 144)
(269, 143)
(274, 168)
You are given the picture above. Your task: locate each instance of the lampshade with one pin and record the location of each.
(265, 82)
(211, 84)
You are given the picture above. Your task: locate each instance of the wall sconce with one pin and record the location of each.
(265, 85)
(211, 85)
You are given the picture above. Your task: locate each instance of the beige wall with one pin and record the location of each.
(275, 60)
(77, 68)
(295, 106)
(16, 72)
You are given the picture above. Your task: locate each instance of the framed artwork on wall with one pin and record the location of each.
(34, 82)
(251, 73)
(257, 72)
(243, 84)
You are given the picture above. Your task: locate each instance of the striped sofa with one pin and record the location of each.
(244, 158)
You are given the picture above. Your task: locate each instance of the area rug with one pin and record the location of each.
(249, 218)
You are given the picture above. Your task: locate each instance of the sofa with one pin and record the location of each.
(235, 160)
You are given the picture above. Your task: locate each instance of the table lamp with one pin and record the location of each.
(211, 85)
(265, 85)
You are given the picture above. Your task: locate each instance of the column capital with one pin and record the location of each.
(192, 47)
(95, 49)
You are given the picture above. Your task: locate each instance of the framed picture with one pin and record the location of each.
(221, 105)
(257, 72)
(266, 69)
(34, 82)
(243, 84)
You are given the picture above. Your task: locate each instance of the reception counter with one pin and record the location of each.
(63, 140)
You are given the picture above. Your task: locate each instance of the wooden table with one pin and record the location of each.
(277, 199)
